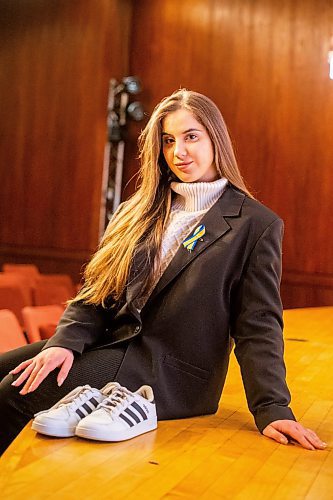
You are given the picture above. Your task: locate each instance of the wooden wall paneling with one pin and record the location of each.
(307, 289)
(57, 59)
(263, 62)
(265, 65)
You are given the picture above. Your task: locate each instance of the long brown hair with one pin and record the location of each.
(141, 219)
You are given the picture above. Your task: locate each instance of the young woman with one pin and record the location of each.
(188, 265)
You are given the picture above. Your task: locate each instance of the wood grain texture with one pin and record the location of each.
(265, 64)
(216, 456)
(57, 59)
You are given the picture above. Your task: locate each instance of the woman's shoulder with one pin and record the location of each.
(253, 208)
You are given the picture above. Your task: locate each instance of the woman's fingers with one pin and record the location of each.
(272, 433)
(38, 374)
(301, 438)
(306, 437)
(279, 430)
(314, 439)
(20, 367)
(25, 374)
(38, 368)
(66, 366)
(44, 365)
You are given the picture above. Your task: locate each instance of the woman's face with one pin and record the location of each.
(187, 148)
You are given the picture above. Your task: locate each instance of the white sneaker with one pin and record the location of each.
(122, 415)
(62, 419)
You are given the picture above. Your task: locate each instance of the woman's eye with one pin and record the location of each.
(167, 140)
(192, 137)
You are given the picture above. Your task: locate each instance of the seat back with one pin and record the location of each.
(45, 294)
(11, 334)
(36, 316)
(63, 280)
(14, 295)
(27, 269)
(23, 279)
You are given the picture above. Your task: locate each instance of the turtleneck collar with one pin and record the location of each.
(197, 196)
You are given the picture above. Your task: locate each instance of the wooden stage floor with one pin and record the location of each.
(218, 456)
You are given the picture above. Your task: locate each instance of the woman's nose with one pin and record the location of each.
(180, 149)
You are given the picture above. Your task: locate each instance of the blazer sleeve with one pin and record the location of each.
(257, 330)
(80, 327)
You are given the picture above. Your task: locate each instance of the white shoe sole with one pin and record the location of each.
(103, 433)
(51, 430)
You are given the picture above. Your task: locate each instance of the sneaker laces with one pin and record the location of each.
(116, 400)
(77, 395)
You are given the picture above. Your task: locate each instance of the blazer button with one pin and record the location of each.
(136, 329)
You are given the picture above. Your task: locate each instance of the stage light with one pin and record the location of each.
(135, 111)
(132, 84)
(120, 109)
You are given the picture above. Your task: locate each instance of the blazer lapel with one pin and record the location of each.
(229, 205)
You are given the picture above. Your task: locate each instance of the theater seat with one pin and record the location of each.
(11, 334)
(31, 271)
(63, 280)
(48, 293)
(15, 294)
(41, 316)
(27, 269)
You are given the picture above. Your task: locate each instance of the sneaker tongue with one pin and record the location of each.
(108, 389)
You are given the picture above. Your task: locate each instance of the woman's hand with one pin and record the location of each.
(281, 430)
(36, 369)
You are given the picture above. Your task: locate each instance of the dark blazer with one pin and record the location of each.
(226, 288)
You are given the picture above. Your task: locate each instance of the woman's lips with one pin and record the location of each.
(183, 166)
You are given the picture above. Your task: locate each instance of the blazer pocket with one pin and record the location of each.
(193, 370)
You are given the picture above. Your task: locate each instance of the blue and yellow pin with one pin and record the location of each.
(191, 241)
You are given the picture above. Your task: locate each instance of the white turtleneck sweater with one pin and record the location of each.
(189, 204)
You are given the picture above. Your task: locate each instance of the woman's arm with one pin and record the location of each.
(80, 326)
(257, 330)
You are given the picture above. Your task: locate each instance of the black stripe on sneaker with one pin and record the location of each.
(88, 408)
(139, 409)
(93, 401)
(80, 413)
(127, 420)
(133, 415)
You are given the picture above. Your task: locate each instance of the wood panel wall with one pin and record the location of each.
(263, 62)
(56, 62)
(265, 65)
